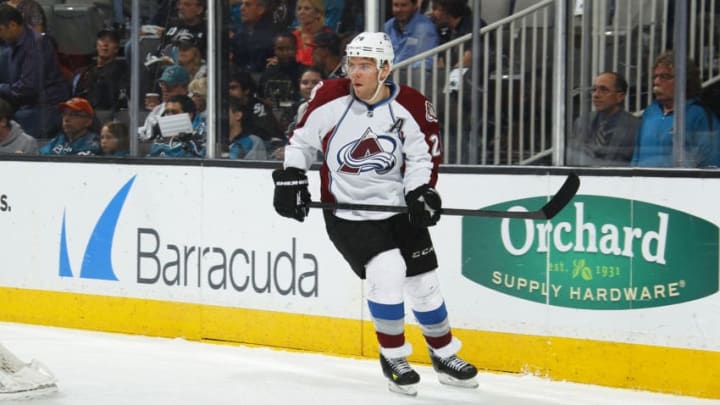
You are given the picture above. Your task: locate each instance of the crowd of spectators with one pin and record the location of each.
(278, 51)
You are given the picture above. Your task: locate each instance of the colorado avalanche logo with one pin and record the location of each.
(368, 153)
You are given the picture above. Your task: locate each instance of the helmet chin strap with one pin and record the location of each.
(378, 88)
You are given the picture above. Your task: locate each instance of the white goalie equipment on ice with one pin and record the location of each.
(20, 380)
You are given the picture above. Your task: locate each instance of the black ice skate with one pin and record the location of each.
(454, 371)
(402, 378)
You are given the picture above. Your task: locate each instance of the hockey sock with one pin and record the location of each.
(385, 277)
(429, 309)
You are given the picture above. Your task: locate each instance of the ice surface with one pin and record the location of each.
(96, 368)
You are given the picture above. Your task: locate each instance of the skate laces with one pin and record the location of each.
(400, 365)
(454, 362)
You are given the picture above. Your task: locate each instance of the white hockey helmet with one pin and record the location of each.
(374, 45)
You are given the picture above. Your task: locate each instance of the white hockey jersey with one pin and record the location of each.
(372, 154)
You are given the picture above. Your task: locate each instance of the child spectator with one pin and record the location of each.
(308, 80)
(114, 139)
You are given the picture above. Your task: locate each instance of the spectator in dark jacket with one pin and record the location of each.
(104, 84)
(35, 84)
(252, 45)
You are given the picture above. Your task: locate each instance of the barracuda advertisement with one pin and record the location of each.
(175, 233)
(599, 253)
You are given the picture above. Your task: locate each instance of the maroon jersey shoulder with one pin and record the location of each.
(325, 92)
(419, 106)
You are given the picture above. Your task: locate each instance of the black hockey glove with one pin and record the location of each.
(424, 206)
(291, 193)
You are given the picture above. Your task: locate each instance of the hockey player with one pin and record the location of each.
(382, 146)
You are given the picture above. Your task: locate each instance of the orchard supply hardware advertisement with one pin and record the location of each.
(598, 253)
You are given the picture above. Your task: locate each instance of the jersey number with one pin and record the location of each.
(435, 145)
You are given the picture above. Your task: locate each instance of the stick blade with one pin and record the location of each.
(562, 197)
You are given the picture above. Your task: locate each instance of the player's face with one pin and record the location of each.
(605, 97)
(403, 10)
(363, 74)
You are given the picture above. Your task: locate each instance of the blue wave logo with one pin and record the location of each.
(97, 261)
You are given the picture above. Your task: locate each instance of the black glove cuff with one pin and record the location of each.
(414, 194)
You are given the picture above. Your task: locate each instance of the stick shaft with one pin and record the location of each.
(549, 210)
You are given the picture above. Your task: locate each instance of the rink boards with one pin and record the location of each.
(620, 289)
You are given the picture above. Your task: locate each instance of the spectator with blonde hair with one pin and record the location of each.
(311, 21)
(197, 90)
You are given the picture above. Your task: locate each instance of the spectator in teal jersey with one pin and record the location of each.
(243, 145)
(77, 136)
(184, 144)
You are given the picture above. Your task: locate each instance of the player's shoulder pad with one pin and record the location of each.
(328, 90)
(418, 105)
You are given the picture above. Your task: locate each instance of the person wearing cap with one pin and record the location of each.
(104, 84)
(13, 138)
(190, 57)
(35, 85)
(173, 81)
(411, 32)
(327, 56)
(77, 136)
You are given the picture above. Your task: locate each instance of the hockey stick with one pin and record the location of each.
(547, 211)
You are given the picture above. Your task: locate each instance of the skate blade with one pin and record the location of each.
(409, 390)
(448, 380)
(42, 391)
